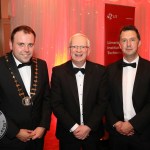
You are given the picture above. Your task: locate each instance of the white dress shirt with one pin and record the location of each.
(80, 83)
(25, 73)
(129, 74)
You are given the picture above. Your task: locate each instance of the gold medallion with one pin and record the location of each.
(27, 101)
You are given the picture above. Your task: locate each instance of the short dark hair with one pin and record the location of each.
(132, 28)
(25, 29)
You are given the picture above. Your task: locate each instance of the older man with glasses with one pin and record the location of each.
(79, 98)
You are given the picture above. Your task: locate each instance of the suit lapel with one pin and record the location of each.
(14, 69)
(119, 80)
(33, 74)
(138, 76)
(117, 85)
(87, 80)
(72, 80)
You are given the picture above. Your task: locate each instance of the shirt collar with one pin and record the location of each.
(16, 60)
(74, 66)
(136, 60)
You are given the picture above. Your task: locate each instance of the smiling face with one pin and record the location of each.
(22, 46)
(129, 43)
(79, 50)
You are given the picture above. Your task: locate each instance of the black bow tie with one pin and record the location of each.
(25, 64)
(124, 64)
(76, 70)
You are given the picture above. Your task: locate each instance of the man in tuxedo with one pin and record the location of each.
(129, 106)
(24, 93)
(79, 98)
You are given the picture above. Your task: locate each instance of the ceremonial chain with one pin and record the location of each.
(26, 100)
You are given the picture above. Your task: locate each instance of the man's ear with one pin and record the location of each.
(139, 43)
(10, 44)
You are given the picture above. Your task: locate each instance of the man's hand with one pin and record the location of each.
(127, 128)
(82, 132)
(24, 135)
(38, 133)
(124, 128)
(118, 126)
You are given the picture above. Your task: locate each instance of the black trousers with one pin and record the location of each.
(15, 144)
(134, 142)
(87, 144)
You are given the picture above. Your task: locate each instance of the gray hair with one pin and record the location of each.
(79, 34)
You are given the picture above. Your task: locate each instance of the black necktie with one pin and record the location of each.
(76, 70)
(124, 64)
(25, 64)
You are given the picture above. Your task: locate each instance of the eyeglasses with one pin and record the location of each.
(76, 47)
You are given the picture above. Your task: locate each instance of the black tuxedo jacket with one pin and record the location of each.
(65, 101)
(19, 116)
(140, 97)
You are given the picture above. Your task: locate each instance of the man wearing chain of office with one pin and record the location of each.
(24, 93)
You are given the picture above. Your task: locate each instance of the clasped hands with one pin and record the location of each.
(124, 128)
(82, 132)
(25, 135)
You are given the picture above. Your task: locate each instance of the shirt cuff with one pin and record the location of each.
(74, 127)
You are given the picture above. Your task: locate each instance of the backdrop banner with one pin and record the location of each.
(116, 16)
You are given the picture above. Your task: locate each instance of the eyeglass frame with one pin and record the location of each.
(76, 47)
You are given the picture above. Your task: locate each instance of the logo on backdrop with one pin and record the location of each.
(111, 16)
(3, 125)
